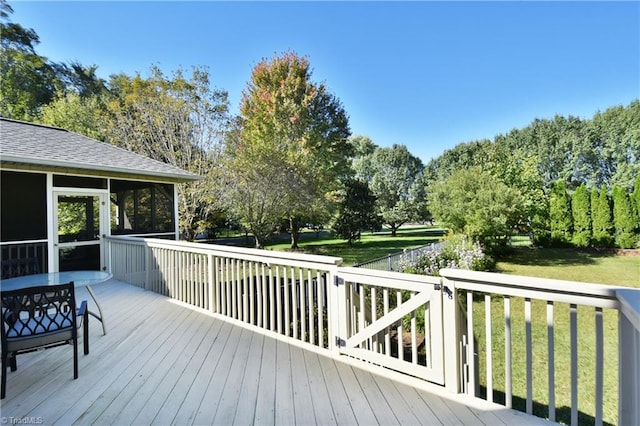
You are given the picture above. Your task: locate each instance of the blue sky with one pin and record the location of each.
(428, 75)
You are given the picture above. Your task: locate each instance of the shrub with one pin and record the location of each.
(623, 218)
(601, 218)
(581, 210)
(457, 252)
(560, 215)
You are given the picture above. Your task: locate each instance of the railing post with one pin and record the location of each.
(211, 279)
(451, 337)
(629, 354)
(337, 312)
(147, 268)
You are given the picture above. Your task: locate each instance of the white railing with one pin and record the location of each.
(420, 326)
(284, 293)
(629, 350)
(556, 366)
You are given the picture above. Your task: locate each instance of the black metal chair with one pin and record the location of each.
(41, 317)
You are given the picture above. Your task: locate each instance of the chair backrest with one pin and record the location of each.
(12, 268)
(38, 311)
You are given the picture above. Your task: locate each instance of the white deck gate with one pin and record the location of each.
(392, 320)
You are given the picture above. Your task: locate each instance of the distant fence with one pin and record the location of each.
(390, 262)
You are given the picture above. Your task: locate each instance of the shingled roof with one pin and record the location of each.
(36, 146)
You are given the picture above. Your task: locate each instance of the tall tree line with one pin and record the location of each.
(556, 165)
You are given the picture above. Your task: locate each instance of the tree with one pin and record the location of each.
(296, 132)
(623, 220)
(601, 218)
(77, 114)
(356, 212)
(560, 214)
(179, 121)
(28, 80)
(478, 204)
(395, 180)
(581, 210)
(635, 197)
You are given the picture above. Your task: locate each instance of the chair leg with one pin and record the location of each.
(13, 362)
(3, 391)
(85, 337)
(75, 358)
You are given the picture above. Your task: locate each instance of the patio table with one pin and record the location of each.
(79, 278)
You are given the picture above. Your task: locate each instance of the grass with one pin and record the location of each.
(370, 246)
(573, 265)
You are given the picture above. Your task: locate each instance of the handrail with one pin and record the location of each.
(244, 253)
(580, 293)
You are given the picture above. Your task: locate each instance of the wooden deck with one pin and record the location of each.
(164, 363)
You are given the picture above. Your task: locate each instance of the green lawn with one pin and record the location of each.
(573, 265)
(370, 246)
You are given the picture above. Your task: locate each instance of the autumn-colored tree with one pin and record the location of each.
(294, 132)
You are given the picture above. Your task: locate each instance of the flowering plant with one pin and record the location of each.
(457, 252)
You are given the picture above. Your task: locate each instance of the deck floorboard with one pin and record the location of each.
(164, 363)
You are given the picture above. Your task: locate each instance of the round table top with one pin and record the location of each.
(79, 278)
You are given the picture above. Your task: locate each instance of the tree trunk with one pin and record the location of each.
(294, 228)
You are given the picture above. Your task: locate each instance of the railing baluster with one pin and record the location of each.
(245, 292)
(387, 333)
(507, 353)
(551, 362)
(303, 305)
(321, 283)
(529, 354)
(599, 366)
(296, 302)
(414, 336)
(272, 299)
(253, 273)
(399, 327)
(264, 303)
(374, 317)
(488, 343)
(471, 349)
(311, 317)
(257, 282)
(573, 315)
(285, 303)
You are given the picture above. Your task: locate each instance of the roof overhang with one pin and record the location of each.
(45, 165)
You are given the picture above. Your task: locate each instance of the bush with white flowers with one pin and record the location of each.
(457, 252)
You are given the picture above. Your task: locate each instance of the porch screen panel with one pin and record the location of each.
(23, 206)
(141, 207)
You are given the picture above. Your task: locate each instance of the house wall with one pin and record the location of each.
(28, 211)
